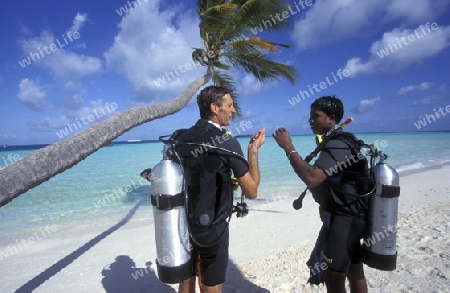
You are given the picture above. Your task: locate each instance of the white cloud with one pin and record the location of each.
(415, 12)
(152, 44)
(427, 101)
(7, 135)
(401, 48)
(48, 124)
(74, 85)
(78, 22)
(249, 85)
(54, 55)
(71, 103)
(95, 106)
(413, 88)
(76, 115)
(367, 104)
(31, 94)
(329, 21)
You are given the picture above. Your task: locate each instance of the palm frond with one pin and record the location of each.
(222, 79)
(203, 5)
(220, 65)
(260, 66)
(253, 45)
(228, 28)
(199, 57)
(236, 20)
(252, 13)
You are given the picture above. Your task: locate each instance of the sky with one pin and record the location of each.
(68, 65)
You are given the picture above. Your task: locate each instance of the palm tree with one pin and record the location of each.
(225, 27)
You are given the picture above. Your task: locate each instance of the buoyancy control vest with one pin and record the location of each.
(348, 181)
(208, 183)
(378, 184)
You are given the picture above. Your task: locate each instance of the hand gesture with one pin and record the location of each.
(283, 138)
(257, 140)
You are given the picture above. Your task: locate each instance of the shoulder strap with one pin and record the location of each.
(334, 136)
(341, 135)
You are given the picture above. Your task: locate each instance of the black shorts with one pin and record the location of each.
(213, 261)
(343, 242)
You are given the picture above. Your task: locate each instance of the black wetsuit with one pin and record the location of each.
(345, 212)
(209, 155)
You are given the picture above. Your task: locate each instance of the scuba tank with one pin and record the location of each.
(169, 197)
(379, 245)
(173, 249)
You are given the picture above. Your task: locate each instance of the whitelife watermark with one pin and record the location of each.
(22, 244)
(367, 242)
(265, 24)
(217, 140)
(170, 75)
(345, 164)
(35, 56)
(10, 159)
(168, 256)
(378, 236)
(118, 193)
(72, 127)
(422, 123)
(378, 144)
(392, 47)
(129, 6)
(279, 17)
(317, 88)
(162, 261)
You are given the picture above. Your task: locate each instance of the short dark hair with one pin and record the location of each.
(329, 105)
(210, 94)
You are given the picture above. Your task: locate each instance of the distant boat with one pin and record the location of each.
(133, 140)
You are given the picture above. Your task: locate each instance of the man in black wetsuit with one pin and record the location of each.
(336, 179)
(209, 154)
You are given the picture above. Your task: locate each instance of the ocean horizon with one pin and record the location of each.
(37, 146)
(103, 188)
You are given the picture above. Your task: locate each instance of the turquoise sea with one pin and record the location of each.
(106, 186)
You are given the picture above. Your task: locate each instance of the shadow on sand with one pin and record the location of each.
(123, 276)
(68, 259)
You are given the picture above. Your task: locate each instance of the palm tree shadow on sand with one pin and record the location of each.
(123, 276)
(68, 259)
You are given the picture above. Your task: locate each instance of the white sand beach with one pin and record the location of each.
(268, 249)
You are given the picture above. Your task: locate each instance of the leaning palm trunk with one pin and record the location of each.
(47, 162)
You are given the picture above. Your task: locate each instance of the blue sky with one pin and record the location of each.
(388, 60)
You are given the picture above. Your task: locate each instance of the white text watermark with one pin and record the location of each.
(316, 88)
(35, 56)
(422, 123)
(279, 17)
(405, 41)
(97, 113)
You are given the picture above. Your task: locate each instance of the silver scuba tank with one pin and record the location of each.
(380, 251)
(173, 248)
